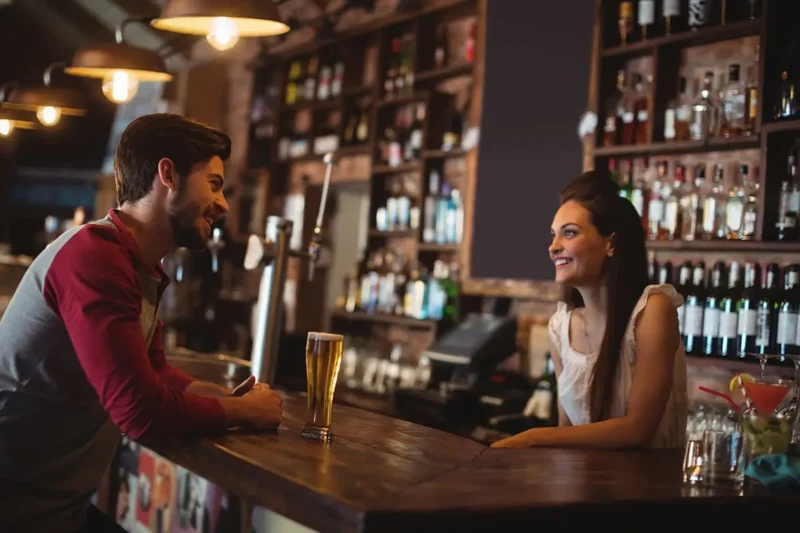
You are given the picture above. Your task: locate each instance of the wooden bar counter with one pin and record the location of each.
(383, 474)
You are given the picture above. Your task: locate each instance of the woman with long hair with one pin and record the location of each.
(616, 348)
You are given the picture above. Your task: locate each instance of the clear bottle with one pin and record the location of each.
(713, 206)
(734, 208)
(787, 216)
(751, 101)
(683, 112)
(692, 209)
(655, 204)
(702, 110)
(750, 212)
(673, 215)
(733, 105)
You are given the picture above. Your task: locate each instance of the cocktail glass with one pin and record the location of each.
(765, 430)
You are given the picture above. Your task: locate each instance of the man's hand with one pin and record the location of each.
(262, 408)
(248, 385)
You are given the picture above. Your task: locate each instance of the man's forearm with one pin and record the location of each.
(205, 388)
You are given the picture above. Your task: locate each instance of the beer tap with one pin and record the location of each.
(272, 253)
(215, 246)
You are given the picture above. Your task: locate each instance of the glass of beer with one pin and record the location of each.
(323, 359)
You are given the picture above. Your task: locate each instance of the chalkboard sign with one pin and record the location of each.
(537, 63)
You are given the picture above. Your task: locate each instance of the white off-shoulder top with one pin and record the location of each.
(575, 378)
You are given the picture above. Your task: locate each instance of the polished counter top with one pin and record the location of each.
(384, 474)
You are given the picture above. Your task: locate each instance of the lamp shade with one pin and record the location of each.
(253, 18)
(103, 60)
(32, 98)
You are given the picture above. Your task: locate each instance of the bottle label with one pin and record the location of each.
(647, 12)
(749, 223)
(655, 210)
(611, 124)
(748, 322)
(733, 108)
(709, 214)
(711, 322)
(763, 328)
(669, 124)
(672, 8)
(627, 117)
(671, 217)
(637, 199)
(753, 109)
(416, 139)
(693, 323)
(699, 11)
(787, 328)
(683, 113)
(642, 115)
(733, 215)
(727, 325)
(794, 201)
(681, 316)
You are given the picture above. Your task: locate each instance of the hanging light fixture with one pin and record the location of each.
(221, 21)
(49, 103)
(11, 119)
(120, 66)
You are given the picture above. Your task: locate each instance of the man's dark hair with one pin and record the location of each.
(150, 138)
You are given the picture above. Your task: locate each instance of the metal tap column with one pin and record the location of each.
(269, 311)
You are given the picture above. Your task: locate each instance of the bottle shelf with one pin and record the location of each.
(686, 39)
(782, 125)
(400, 100)
(402, 167)
(440, 248)
(397, 320)
(393, 234)
(726, 246)
(440, 154)
(684, 147)
(462, 68)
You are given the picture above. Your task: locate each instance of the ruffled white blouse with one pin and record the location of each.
(575, 379)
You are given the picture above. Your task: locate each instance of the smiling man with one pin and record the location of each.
(80, 342)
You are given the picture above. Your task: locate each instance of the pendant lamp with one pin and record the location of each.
(49, 103)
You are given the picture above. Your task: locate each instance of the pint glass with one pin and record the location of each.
(323, 359)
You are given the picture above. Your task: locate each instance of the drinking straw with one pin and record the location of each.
(722, 395)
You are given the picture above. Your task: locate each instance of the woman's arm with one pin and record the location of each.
(657, 340)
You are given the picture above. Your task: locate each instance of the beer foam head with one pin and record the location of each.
(318, 336)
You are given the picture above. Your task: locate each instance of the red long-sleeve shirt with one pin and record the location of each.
(80, 360)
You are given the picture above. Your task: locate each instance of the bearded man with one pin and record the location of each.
(81, 358)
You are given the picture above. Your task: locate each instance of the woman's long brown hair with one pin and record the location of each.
(625, 272)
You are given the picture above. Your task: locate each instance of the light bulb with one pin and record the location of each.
(120, 86)
(224, 33)
(6, 127)
(49, 115)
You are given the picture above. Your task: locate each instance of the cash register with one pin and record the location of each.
(466, 389)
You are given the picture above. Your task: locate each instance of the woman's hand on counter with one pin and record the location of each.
(526, 439)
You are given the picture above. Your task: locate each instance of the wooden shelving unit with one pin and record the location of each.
(365, 53)
(665, 55)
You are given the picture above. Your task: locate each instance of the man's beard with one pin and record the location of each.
(184, 229)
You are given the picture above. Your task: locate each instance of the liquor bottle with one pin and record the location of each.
(641, 109)
(786, 340)
(291, 86)
(692, 209)
(311, 78)
(748, 310)
(673, 215)
(750, 211)
(712, 225)
(655, 204)
(702, 110)
(683, 113)
(683, 288)
(729, 314)
(751, 101)
(733, 105)
(671, 11)
(415, 138)
(694, 302)
(652, 268)
(612, 128)
(338, 79)
(734, 207)
(665, 273)
(769, 298)
(469, 44)
(626, 180)
(699, 13)
(625, 21)
(787, 216)
(394, 68)
(639, 193)
(628, 128)
(787, 102)
(441, 51)
(712, 311)
(647, 16)
(431, 201)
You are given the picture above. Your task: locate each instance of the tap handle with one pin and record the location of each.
(316, 237)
